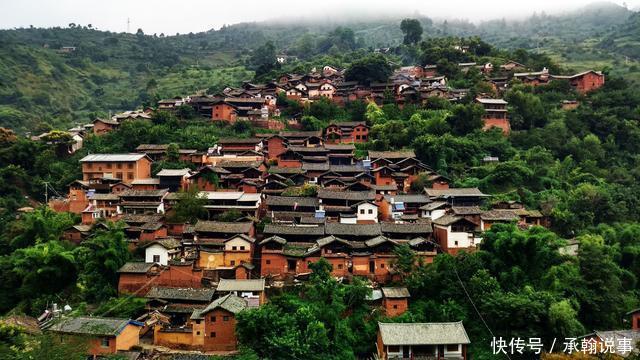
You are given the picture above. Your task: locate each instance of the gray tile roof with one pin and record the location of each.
(286, 170)
(377, 241)
(309, 166)
(453, 192)
(85, 325)
(174, 172)
(466, 210)
(433, 205)
(291, 201)
(413, 198)
(240, 285)
(223, 227)
(346, 195)
(391, 155)
(275, 238)
(181, 294)
(112, 157)
(274, 229)
(230, 302)
(144, 193)
(500, 215)
(352, 229)
(136, 267)
(406, 228)
(168, 243)
(395, 292)
(423, 333)
(447, 220)
(104, 197)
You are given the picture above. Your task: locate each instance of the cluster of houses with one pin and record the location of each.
(274, 204)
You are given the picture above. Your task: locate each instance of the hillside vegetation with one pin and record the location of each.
(41, 87)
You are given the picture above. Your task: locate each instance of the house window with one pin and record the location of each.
(197, 332)
(455, 243)
(130, 165)
(452, 347)
(395, 306)
(213, 318)
(370, 211)
(198, 322)
(130, 176)
(234, 248)
(119, 166)
(339, 266)
(213, 334)
(156, 258)
(104, 342)
(382, 266)
(362, 211)
(233, 263)
(109, 166)
(268, 262)
(119, 175)
(225, 318)
(241, 247)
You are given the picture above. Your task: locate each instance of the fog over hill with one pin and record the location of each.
(163, 16)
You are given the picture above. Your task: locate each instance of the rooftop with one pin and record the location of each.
(229, 302)
(395, 292)
(240, 285)
(85, 325)
(174, 172)
(223, 227)
(112, 157)
(423, 333)
(181, 294)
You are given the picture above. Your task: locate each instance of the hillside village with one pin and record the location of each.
(278, 202)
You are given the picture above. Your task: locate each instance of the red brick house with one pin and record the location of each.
(138, 277)
(215, 325)
(585, 81)
(103, 336)
(347, 132)
(103, 126)
(395, 300)
(495, 114)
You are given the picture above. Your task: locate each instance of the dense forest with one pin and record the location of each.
(580, 167)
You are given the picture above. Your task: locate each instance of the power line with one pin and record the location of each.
(455, 270)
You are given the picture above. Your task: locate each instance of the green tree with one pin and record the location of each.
(190, 206)
(99, 259)
(412, 30)
(372, 68)
(466, 118)
(263, 59)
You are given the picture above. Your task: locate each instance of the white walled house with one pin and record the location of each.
(455, 233)
(161, 251)
(433, 210)
(239, 243)
(422, 341)
(366, 212)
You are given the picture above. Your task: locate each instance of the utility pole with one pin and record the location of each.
(46, 192)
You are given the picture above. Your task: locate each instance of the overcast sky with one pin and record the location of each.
(171, 16)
